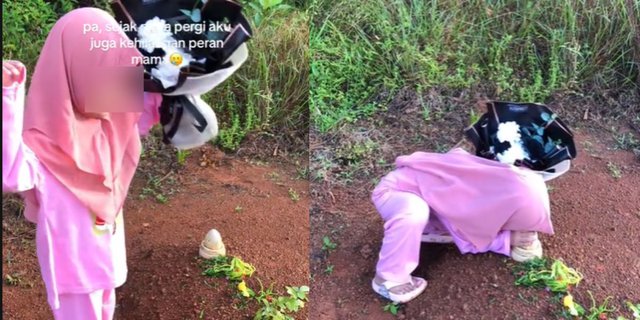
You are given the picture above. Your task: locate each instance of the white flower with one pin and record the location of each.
(508, 131)
(167, 72)
(516, 152)
(154, 33)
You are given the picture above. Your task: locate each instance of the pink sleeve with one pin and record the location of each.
(19, 163)
(151, 113)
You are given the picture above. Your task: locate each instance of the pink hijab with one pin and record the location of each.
(94, 158)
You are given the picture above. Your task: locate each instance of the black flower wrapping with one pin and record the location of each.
(545, 137)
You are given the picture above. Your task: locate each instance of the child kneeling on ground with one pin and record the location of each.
(473, 201)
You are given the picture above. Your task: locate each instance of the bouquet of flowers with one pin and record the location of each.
(190, 46)
(522, 134)
(199, 43)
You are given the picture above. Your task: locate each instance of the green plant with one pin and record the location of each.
(195, 14)
(557, 277)
(182, 156)
(155, 189)
(615, 171)
(473, 117)
(265, 8)
(280, 307)
(357, 150)
(634, 308)
(572, 309)
(272, 305)
(328, 245)
(233, 269)
(294, 195)
(329, 269)
(392, 308)
(63, 6)
(626, 141)
(25, 25)
(12, 280)
(302, 172)
(598, 311)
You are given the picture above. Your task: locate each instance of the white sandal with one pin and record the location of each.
(384, 289)
(526, 253)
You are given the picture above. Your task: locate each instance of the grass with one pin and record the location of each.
(271, 90)
(614, 170)
(626, 141)
(295, 197)
(365, 51)
(156, 189)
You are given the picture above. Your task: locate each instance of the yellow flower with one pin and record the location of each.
(568, 302)
(242, 287)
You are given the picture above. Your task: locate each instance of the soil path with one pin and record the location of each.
(251, 204)
(596, 219)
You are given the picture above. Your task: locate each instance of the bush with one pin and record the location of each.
(25, 25)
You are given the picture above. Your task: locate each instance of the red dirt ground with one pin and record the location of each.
(270, 231)
(597, 223)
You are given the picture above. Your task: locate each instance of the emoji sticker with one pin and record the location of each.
(175, 59)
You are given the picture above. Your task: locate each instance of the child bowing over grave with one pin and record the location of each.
(495, 200)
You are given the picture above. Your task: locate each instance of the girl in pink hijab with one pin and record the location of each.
(479, 204)
(71, 152)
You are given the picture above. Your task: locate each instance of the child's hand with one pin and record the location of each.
(12, 72)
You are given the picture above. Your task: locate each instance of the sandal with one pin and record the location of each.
(527, 252)
(400, 292)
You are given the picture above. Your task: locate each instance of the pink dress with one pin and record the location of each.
(76, 255)
(478, 201)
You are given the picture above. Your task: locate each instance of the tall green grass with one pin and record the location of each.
(525, 50)
(270, 92)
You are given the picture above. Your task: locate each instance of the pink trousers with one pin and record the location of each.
(406, 217)
(98, 305)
